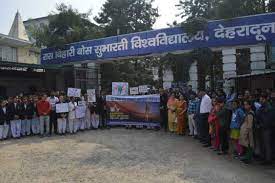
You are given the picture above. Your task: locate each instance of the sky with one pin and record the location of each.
(39, 8)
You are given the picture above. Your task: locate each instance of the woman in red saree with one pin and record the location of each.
(181, 115)
(214, 125)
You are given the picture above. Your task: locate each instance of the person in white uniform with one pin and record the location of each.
(73, 125)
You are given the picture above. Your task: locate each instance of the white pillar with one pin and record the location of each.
(229, 67)
(257, 58)
(193, 76)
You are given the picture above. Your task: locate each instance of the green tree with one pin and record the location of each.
(66, 25)
(122, 17)
(271, 6)
(127, 16)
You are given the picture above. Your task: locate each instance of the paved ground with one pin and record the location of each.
(121, 156)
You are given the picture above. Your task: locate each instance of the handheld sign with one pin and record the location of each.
(91, 95)
(143, 89)
(62, 108)
(134, 91)
(74, 92)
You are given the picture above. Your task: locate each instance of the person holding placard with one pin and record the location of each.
(71, 116)
(61, 118)
(53, 118)
(94, 115)
(82, 113)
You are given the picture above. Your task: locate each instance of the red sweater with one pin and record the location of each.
(43, 108)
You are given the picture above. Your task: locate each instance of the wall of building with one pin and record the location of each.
(25, 55)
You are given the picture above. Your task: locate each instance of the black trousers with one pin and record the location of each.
(103, 119)
(204, 128)
(53, 122)
(224, 139)
(266, 144)
(164, 119)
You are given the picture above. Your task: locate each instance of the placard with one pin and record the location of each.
(80, 111)
(62, 108)
(143, 89)
(120, 88)
(74, 92)
(91, 95)
(134, 91)
(134, 110)
(167, 85)
(81, 103)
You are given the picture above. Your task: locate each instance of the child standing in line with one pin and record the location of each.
(246, 132)
(235, 125)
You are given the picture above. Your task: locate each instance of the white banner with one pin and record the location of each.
(74, 92)
(143, 89)
(134, 91)
(91, 95)
(80, 111)
(167, 85)
(62, 108)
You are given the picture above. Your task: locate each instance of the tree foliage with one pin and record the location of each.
(127, 16)
(271, 6)
(66, 25)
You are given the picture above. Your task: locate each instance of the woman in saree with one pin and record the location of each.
(181, 115)
(172, 105)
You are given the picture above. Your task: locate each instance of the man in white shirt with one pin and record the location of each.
(53, 117)
(205, 108)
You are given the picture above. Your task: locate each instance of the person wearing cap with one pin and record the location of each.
(4, 122)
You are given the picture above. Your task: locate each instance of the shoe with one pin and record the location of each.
(206, 145)
(222, 153)
(246, 161)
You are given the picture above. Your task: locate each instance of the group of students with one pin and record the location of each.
(241, 125)
(36, 115)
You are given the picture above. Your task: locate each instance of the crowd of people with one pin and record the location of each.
(240, 125)
(22, 116)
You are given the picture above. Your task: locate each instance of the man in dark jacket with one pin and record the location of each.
(102, 111)
(27, 115)
(4, 123)
(265, 119)
(14, 112)
(163, 109)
